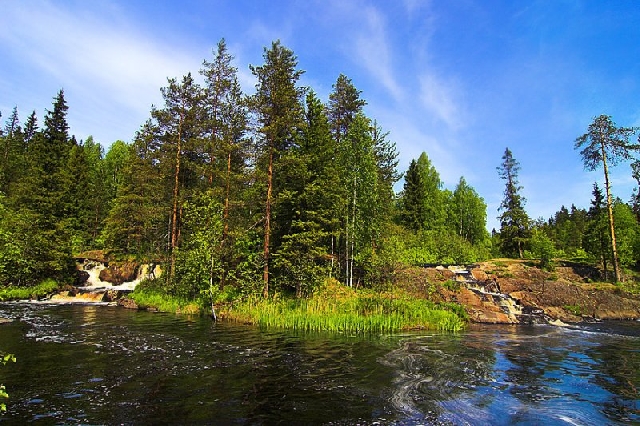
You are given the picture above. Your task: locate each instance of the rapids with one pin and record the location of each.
(87, 364)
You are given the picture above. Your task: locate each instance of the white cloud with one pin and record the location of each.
(96, 55)
(438, 97)
(374, 52)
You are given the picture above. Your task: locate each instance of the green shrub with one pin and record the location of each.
(574, 309)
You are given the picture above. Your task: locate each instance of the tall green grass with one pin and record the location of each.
(349, 312)
(163, 302)
(20, 293)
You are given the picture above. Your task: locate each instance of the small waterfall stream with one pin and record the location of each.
(490, 291)
(93, 290)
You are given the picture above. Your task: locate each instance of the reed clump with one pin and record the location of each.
(337, 308)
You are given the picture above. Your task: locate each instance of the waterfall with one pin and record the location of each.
(93, 282)
(490, 291)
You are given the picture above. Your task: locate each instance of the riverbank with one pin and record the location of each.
(570, 293)
(332, 307)
(501, 291)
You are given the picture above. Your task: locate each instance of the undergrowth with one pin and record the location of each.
(45, 288)
(337, 308)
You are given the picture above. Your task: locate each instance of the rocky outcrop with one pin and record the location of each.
(510, 291)
(119, 273)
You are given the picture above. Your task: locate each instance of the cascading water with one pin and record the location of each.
(96, 291)
(94, 268)
(490, 291)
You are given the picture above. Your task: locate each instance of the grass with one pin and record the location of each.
(20, 293)
(336, 308)
(154, 300)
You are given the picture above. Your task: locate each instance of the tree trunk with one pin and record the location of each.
(614, 250)
(225, 221)
(174, 211)
(353, 236)
(267, 225)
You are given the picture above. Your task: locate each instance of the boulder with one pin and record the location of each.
(117, 274)
(125, 302)
(81, 278)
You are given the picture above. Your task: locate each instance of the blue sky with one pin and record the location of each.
(461, 80)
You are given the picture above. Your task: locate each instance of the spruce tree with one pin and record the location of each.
(309, 208)
(423, 202)
(597, 240)
(467, 213)
(12, 152)
(514, 221)
(137, 220)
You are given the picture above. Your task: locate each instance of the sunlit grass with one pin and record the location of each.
(152, 300)
(20, 293)
(339, 309)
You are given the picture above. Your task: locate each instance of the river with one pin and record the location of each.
(79, 364)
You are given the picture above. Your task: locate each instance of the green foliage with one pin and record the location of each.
(451, 285)
(45, 288)
(198, 260)
(467, 214)
(627, 234)
(574, 309)
(6, 358)
(151, 295)
(543, 249)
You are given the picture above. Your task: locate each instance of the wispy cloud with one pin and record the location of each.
(101, 58)
(440, 98)
(374, 51)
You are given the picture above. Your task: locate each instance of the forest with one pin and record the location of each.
(275, 192)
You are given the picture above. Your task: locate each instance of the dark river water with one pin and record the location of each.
(107, 365)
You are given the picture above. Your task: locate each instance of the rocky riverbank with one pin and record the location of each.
(510, 291)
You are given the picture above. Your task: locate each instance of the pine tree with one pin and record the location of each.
(179, 133)
(606, 144)
(344, 104)
(514, 221)
(277, 105)
(226, 125)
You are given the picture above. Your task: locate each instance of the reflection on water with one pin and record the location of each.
(105, 365)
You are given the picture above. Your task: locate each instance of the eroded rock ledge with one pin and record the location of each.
(510, 291)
